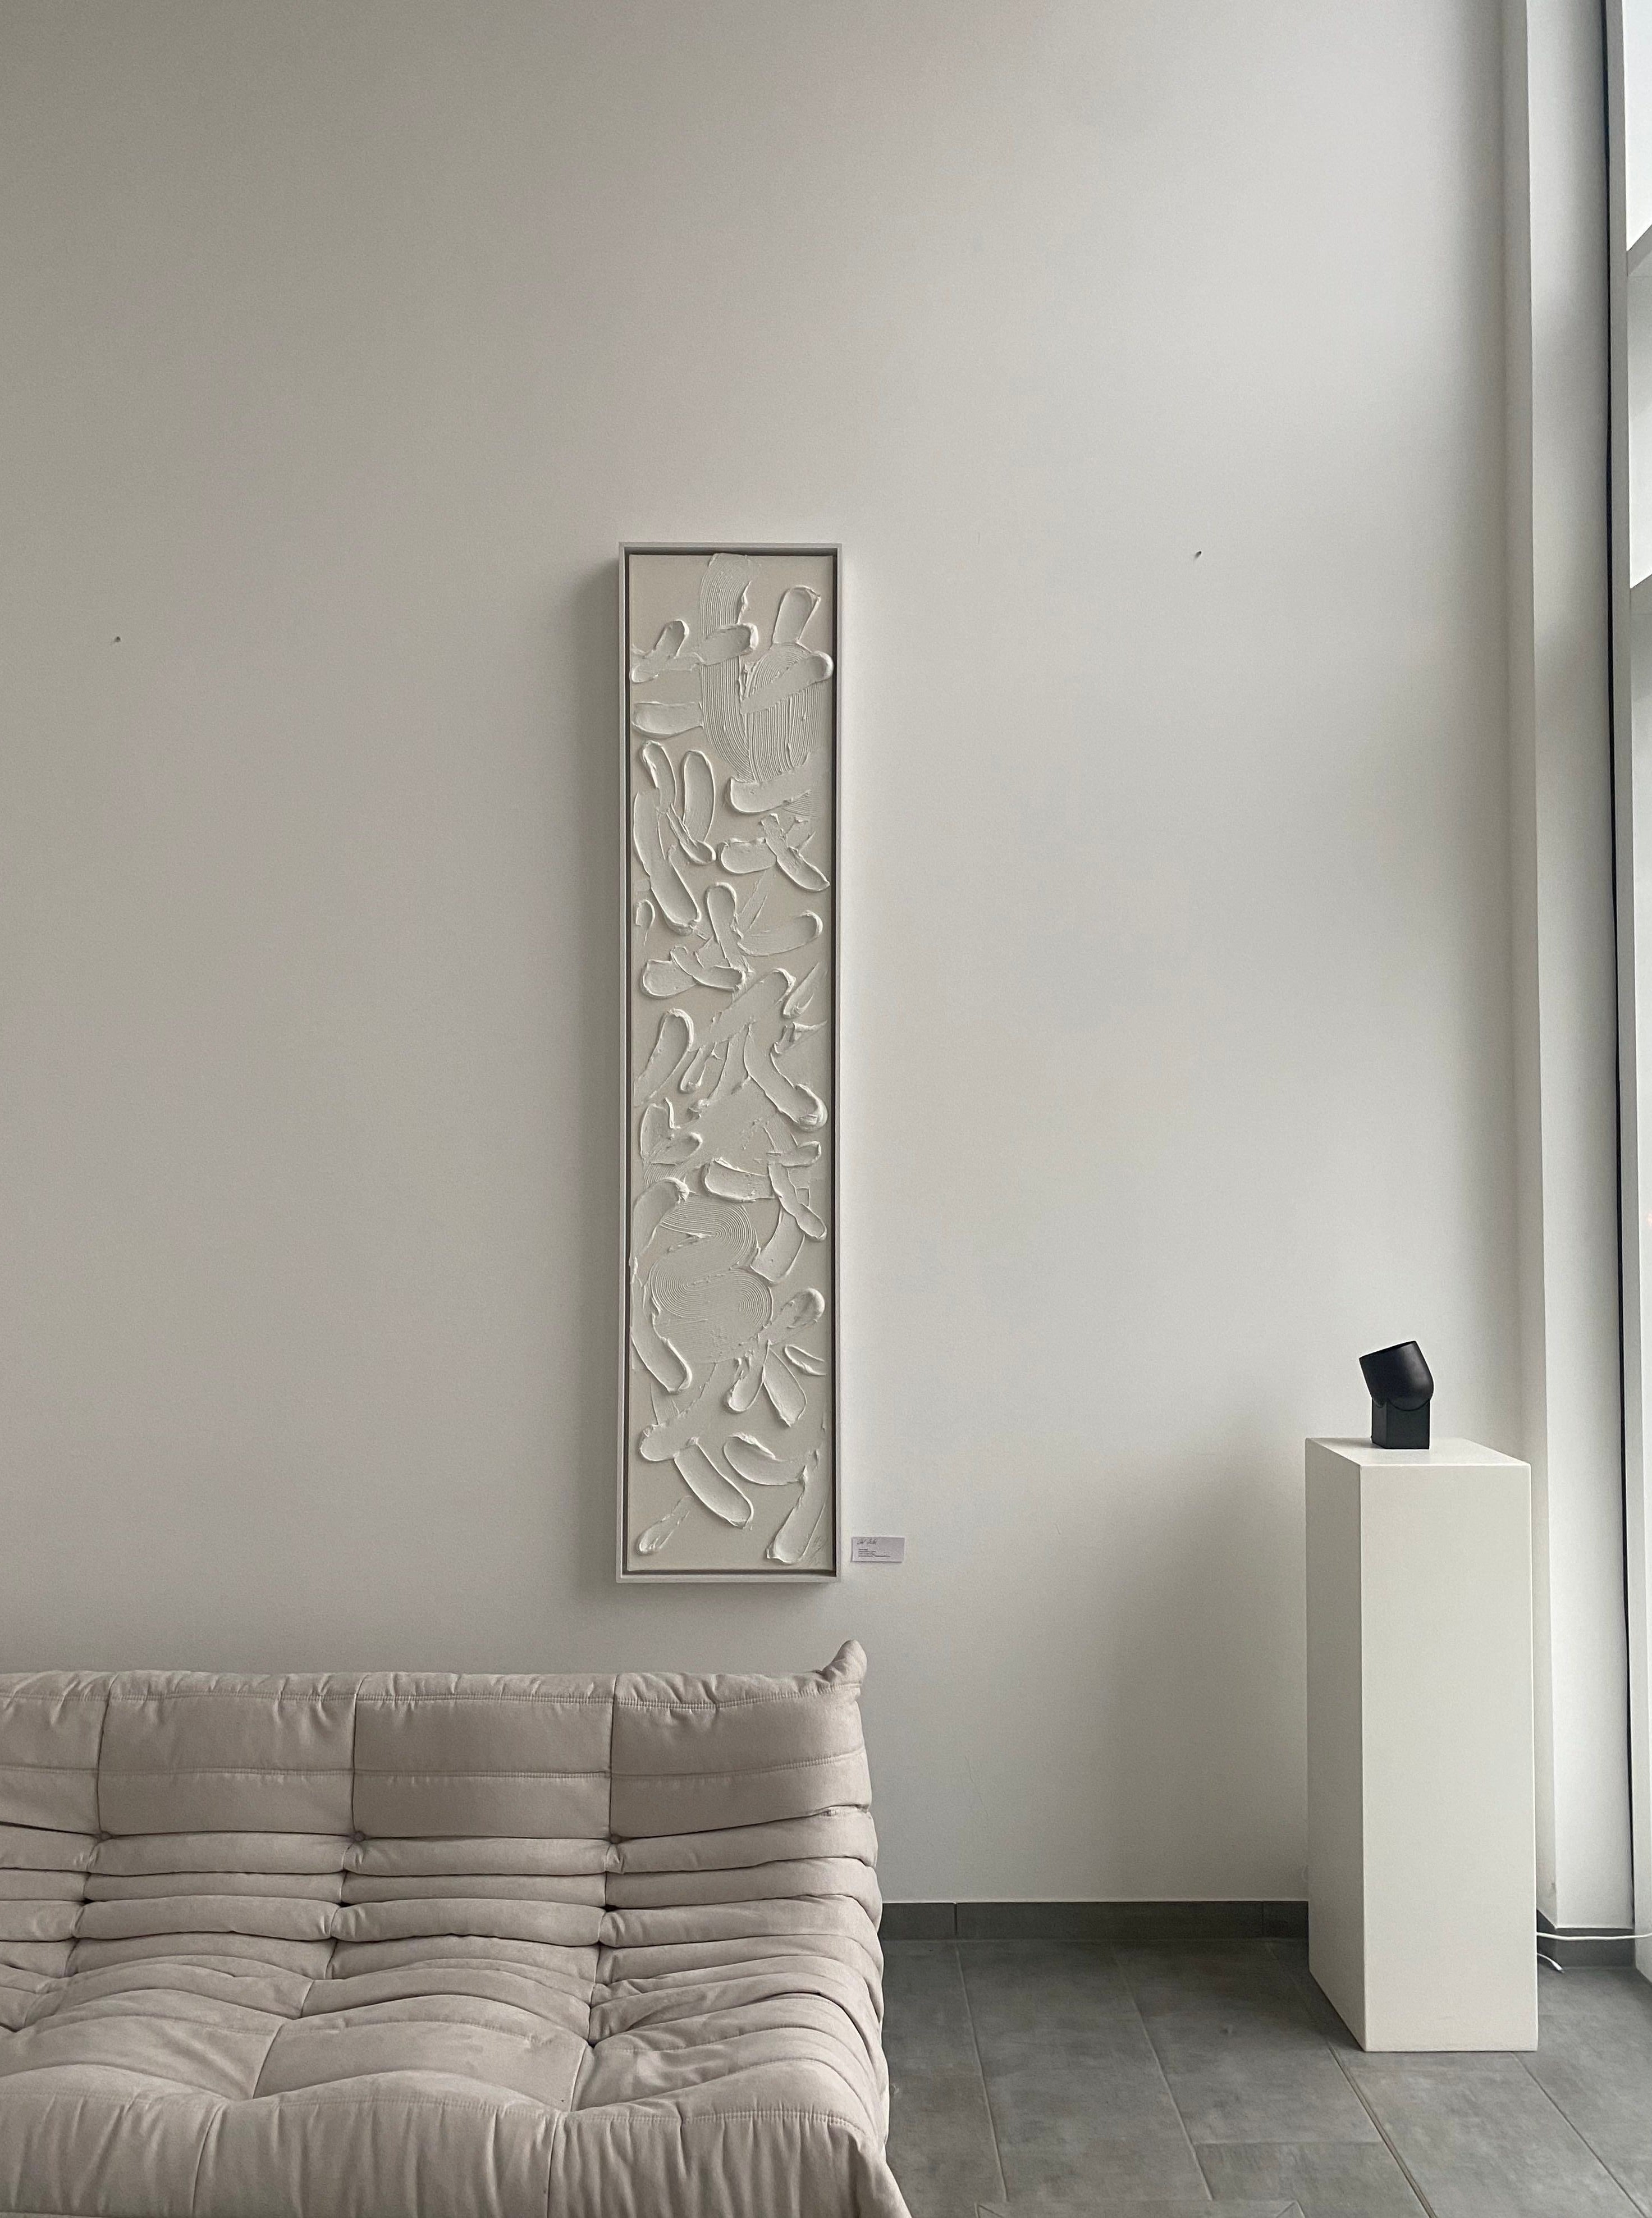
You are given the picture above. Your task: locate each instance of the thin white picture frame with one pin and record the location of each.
(630, 1569)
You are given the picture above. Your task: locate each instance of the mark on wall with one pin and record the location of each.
(728, 1449)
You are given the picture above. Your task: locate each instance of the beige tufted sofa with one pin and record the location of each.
(422, 1947)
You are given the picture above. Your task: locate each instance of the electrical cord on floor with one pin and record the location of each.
(1556, 1967)
(1582, 1933)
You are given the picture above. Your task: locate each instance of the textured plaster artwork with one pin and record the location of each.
(728, 1437)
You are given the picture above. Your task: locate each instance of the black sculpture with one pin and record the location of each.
(1402, 1386)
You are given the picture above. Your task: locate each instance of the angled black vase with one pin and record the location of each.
(1401, 1387)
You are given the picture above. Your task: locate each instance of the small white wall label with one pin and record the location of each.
(878, 1548)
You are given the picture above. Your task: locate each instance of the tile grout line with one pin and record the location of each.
(1414, 2184)
(1358, 2089)
(1572, 2126)
(1521, 2058)
(1301, 2001)
(980, 2073)
(1159, 2065)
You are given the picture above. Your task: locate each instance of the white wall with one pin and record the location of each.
(1148, 363)
(1637, 35)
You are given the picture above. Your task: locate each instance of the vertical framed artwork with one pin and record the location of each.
(729, 1371)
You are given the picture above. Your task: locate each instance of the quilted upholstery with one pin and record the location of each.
(386, 1945)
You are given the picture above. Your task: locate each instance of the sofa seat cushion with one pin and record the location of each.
(787, 2149)
(96, 2140)
(768, 2037)
(520, 2030)
(189, 2089)
(411, 2142)
(111, 2084)
(485, 2043)
(208, 2049)
(90, 2138)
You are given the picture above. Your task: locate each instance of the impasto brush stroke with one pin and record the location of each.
(728, 1460)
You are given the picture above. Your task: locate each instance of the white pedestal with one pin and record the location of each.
(1422, 1854)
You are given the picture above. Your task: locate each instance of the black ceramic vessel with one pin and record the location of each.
(1401, 1387)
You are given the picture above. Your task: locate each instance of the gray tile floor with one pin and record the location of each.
(1069, 2079)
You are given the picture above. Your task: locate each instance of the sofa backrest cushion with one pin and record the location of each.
(515, 1757)
(196, 1752)
(354, 1824)
(51, 1726)
(696, 1753)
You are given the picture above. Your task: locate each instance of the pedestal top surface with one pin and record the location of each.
(1447, 1453)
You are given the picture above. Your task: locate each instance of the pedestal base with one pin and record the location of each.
(1421, 1856)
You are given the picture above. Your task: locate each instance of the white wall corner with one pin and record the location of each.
(1565, 977)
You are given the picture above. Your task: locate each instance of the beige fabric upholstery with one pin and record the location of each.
(397, 1945)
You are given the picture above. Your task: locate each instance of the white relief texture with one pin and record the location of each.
(728, 1459)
